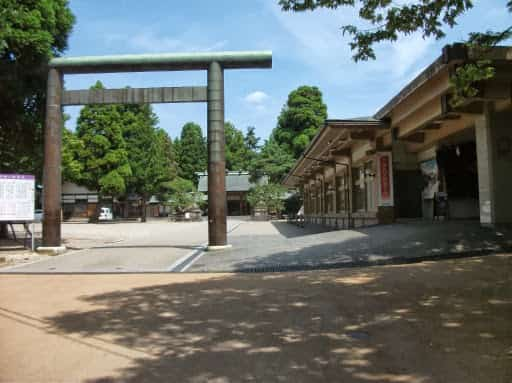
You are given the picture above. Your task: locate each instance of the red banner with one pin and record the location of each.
(385, 182)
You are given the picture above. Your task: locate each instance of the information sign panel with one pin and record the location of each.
(17, 197)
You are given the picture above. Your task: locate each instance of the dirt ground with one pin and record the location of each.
(445, 321)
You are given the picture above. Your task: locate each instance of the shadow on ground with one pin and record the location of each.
(437, 322)
(378, 245)
(289, 230)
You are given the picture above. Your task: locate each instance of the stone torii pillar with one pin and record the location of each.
(215, 63)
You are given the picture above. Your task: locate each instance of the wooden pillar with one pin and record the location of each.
(217, 225)
(305, 200)
(335, 190)
(324, 195)
(52, 182)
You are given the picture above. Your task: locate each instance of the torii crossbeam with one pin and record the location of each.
(213, 62)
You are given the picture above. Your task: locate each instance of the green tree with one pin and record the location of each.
(191, 151)
(146, 154)
(104, 155)
(270, 196)
(236, 150)
(251, 142)
(183, 195)
(273, 161)
(300, 119)
(72, 146)
(388, 20)
(167, 148)
(31, 33)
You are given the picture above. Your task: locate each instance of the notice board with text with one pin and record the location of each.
(17, 197)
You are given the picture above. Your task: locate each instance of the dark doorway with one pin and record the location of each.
(408, 186)
(459, 178)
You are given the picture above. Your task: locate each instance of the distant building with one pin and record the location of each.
(79, 203)
(238, 184)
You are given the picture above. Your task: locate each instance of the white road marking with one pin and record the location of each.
(189, 259)
(189, 255)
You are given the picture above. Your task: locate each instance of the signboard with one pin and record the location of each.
(17, 197)
(385, 177)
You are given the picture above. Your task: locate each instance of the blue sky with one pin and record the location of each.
(308, 49)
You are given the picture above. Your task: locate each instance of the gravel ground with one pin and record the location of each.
(431, 322)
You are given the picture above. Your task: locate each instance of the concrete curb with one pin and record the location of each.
(218, 248)
(51, 250)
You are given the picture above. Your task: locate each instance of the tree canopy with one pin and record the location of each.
(118, 150)
(191, 152)
(241, 150)
(183, 195)
(103, 152)
(387, 20)
(31, 32)
(300, 119)
(273, 161)
(269, 195)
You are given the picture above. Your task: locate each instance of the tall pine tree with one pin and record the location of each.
(191, 151)
(300, 119)
(103, 154)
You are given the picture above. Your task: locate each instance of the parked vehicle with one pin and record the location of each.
(105, 214)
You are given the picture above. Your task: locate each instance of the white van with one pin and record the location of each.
(105, 214)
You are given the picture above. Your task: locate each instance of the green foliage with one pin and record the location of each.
(389, 19)
(269, 196)
(31, 32)
(273, 161)
(104, 155)
(149, 150)
(167, 149)
(118, 149)
(300, 119)
(251, 140)
(466, 77)
(191, 152)
(183, 195)
(239, 153)
(72, 168)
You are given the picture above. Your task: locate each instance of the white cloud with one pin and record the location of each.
(149, 41)
(406, 52)
(256, 97)
(257, 100)
(321, 44)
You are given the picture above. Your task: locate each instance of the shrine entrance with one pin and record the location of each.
(212, 94)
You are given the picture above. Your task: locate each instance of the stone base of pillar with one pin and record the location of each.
(386, 214)
(51, 250)
(217, 248)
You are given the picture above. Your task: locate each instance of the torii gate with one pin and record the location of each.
(213, 94)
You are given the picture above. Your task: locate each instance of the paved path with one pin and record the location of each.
(163, 246)
(438, 322)
(282, 246)
(124, 247)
